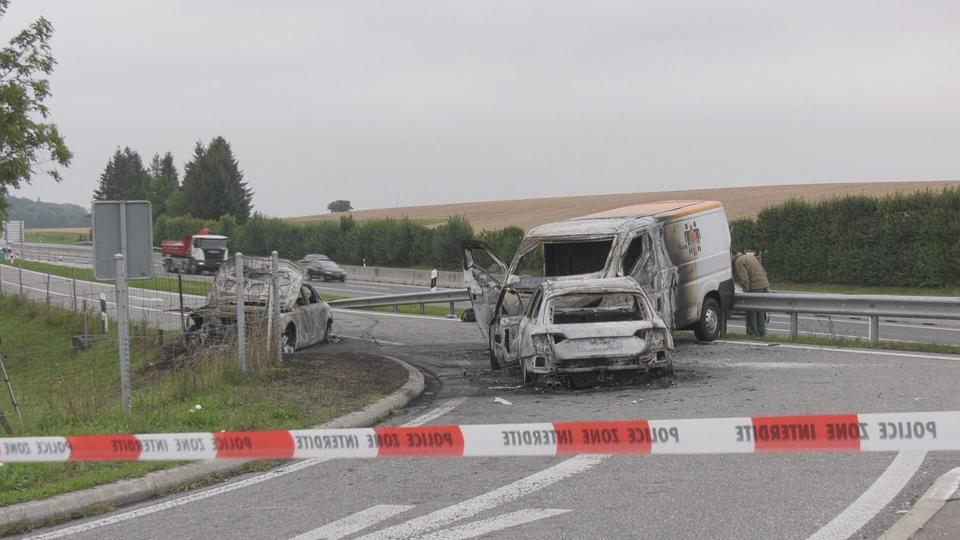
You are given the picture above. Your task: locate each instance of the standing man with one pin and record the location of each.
(751, 276)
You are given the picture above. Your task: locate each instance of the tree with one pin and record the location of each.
(164, 182)
(340, 205)
(26, 140)
(123, 179)
(213, 183)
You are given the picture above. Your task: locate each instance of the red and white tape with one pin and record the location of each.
(879, 432)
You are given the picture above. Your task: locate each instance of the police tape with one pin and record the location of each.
(880, 432)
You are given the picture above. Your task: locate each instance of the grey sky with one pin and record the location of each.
(453, 101)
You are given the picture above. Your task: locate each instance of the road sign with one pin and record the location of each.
(12, 232)
(122, 227)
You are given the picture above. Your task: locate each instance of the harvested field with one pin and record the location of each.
(527, 213)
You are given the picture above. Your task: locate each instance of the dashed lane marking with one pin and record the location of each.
(494, 524)
(354, 522)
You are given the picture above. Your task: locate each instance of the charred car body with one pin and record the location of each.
(305, 319)
(677, 251)
(585, 327)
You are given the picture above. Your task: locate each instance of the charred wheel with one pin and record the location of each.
(708, 327)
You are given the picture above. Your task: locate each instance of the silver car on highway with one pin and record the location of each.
(575, 332)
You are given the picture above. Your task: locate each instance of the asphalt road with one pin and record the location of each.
(722, 496)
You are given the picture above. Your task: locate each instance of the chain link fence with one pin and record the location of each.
(59, 343)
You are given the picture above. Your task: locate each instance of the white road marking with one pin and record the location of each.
(494, 524)
(415, 528)
(354, 522)
(385, 342)
(225, 488)
(857, 321)
(874, 499)
(872, 352)
(926, 507)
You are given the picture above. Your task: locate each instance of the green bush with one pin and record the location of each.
(897, 240)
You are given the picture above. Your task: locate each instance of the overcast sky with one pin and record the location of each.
(451, 101)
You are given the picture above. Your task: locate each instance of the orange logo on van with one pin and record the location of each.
(691, 235)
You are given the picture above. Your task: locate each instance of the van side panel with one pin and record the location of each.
(699, 246)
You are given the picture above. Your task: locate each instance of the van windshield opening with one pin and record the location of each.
(596, 308)
(575, 258)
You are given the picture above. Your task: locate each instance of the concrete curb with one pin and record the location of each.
(926, 507)
(157, 483)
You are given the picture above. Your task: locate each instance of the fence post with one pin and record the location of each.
(20, 280)
(1, 279)
(453, 311)
(123, 332)
(794, 325)
(275, 305)
(241, 315)
(73, 288)
(874, 330)
(48, 284)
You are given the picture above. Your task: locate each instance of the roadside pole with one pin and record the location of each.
(275, 304)
(183, 322)
(48, 284)
(73, 288)
(20, 281)
(123, 332)
(1, 279)
(241, 315)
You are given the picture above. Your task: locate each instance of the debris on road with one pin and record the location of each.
(501, 401)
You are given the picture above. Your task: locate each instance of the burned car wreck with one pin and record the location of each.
(305, 319)
(574, 333)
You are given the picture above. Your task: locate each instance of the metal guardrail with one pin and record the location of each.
(871, 306)
(406, 299)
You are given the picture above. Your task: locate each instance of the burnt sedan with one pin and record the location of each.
(305, 319)
(575, 333)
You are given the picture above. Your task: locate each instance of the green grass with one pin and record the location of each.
(53, 237)
(887, 345)
(789, 286)
(62, 392)
(167, 284)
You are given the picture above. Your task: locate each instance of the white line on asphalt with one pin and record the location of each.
(225, 488)
(494, 524)
(354, 522)
(875, 498)
(856, 321)
(925, 508)
(828, 334)
(492, 499)
(872, 352)
(358, 338)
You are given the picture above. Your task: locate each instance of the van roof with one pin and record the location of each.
(668, 209)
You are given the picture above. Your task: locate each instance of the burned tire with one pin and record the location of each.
(665, 370)
(711, 319)
(288, 341)
(327, 332)
(494, 362)
(468, 315)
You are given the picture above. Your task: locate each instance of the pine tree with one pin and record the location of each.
(123, 179)
(213, 184)
(164, 182)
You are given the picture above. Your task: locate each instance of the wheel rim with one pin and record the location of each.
(286, 345)
(711, 320)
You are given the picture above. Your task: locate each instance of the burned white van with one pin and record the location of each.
(678, 251)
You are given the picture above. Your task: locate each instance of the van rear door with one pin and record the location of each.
(484, 273)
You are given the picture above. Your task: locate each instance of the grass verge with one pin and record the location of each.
(886, 345)
(789, 286)
(166, 284)
(55, 237)
(62, 392)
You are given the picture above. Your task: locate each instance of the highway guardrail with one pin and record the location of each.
(871, 306)
(407, 299)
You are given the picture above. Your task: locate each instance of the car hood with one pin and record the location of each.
(256, 280)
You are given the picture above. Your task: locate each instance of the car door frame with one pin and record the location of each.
(485, 289)
(506, 328)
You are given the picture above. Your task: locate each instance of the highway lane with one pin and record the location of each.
(753, 496)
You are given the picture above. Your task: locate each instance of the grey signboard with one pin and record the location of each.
(122, 227)
(12, 232)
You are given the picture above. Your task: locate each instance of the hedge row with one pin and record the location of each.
(382, 242)
(896, 240)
